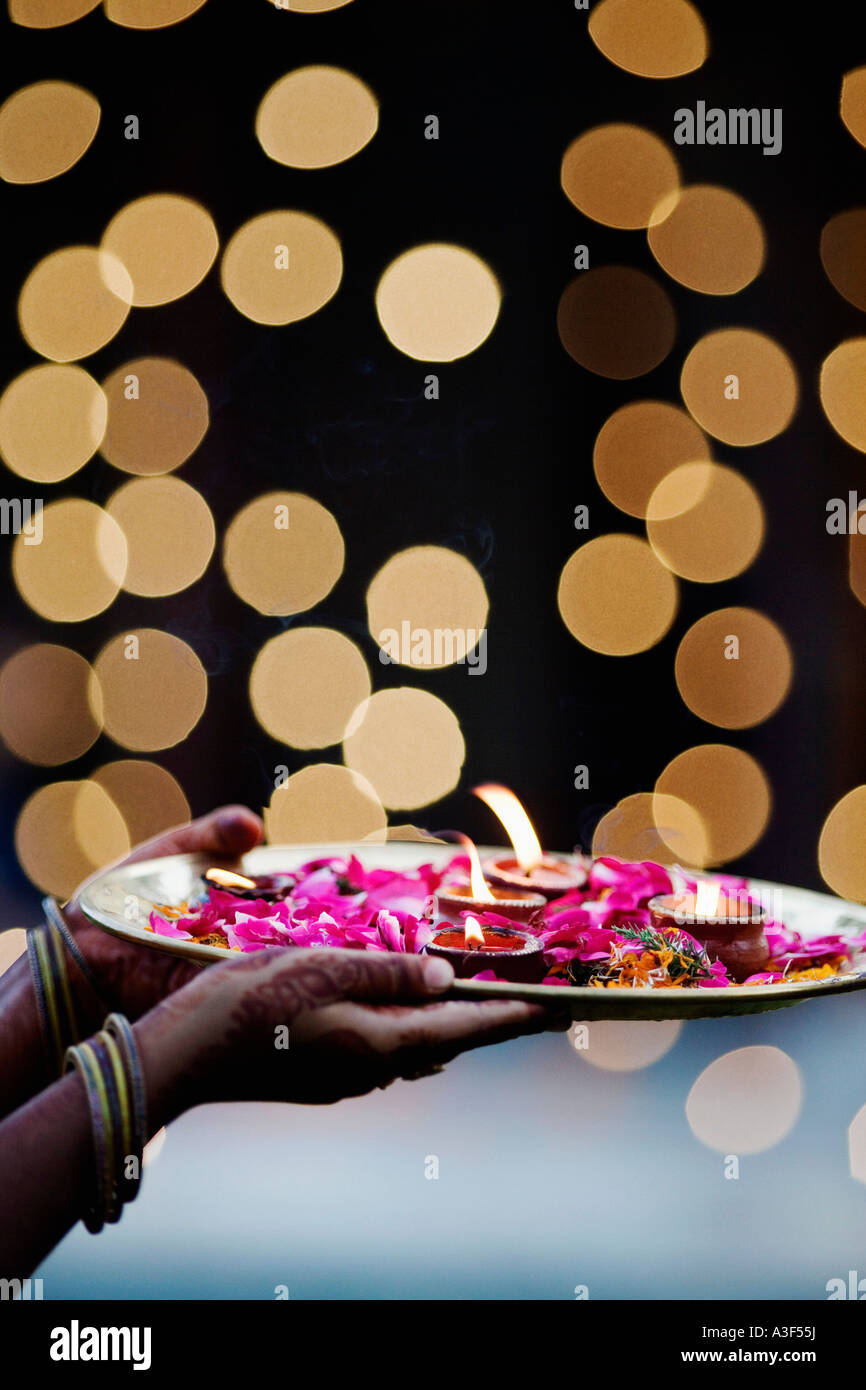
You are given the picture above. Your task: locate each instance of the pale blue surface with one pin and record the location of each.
(553, 1173)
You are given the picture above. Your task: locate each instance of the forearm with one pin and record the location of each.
(24, 1065)
(47, 1155)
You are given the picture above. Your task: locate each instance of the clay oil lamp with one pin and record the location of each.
(456, 897)
(528, 867)
(270, 888)
(512, 955)
(729, 925)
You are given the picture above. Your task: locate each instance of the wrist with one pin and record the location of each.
(182, 1057)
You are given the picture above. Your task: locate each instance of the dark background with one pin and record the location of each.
(494, 468)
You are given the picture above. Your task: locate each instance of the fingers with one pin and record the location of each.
(294, 979)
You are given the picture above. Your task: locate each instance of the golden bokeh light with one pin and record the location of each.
(840, 848)
(170, 534)
(49, 14)
(639, 445)
(745, 1101)
(77, 568)
(73, 302)
(711, 240)
(154, 689)
(281, 267)
(852, 105)
(705, 522)
(618, 174)
(306, 684)
(734, 668)
(617, 322)
(646, 826)
(283, 553)
(614, 1046)
(146, 795)
(309, 6)
(166, 243)
(843, 255)
(50, 704)
(65, 832)
(729, 791)
(650, 38)
(857, 565)
(150, 14)
(843, 391)
(615, 596)
(740, 386)
(438, 302)
(45, 129)
(407, 744)
(856, 1141)
(157, 415)
(315, 117)
(52, 420)
(13, 944)
(323, 802)
(427, 607)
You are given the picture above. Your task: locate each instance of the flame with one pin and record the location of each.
(473, 936)
(707, 899)
(518, 827)
(478, 883)
(224, 878)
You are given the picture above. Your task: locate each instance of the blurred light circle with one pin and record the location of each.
(419, 593)
(147, 796)
(48, 14)
(856, 1141)
(77, 568)
(615, 1046)
(154, 689)
(616, 321)
(283, 553)
(646, 826)
(52, 420)
(13, 944)
(166, 243)
(65, 832)
(711, 240)
(705, 522)
(306, 684)
(840, 847)
(170, 534)
(734, 692)
(408, 745)
(617, 174)
(323, 802)
(438, 302)
(639, 445)
(615, 596)
(843, 391)
(150, 14)
(45, 129)
(315, 117)
(73, 302)
(857, 566)
(157, 415)
(309, 6)
(650, 38)
(843, 255)
(50, 704)
(281, 267)
(747, 362)
(852, 106)
(729, 791)
(745, 1101)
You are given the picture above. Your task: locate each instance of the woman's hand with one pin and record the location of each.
(314, 1026)
(132, 978)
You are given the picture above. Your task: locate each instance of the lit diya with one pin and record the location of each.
(728, 924)
(270, 888)
(528, 867)
(455, 898)
(512, 955)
